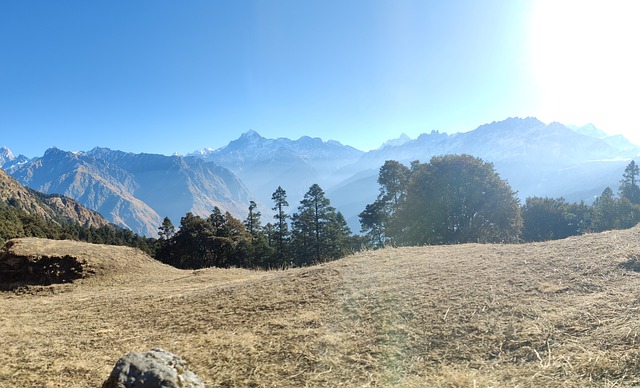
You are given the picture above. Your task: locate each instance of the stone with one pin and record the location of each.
(156, 368)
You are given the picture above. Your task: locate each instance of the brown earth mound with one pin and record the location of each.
(561, 313)
(43, 262)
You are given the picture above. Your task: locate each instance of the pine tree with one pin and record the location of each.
(605, 209)
(166, 230)
(629, 184)
(281, 228)
(252, 222)
(312, 227)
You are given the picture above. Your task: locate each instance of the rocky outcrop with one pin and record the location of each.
(156, 368)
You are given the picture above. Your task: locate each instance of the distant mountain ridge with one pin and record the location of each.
(135, 191)
(264, 164)
(138, 190)
(538, 159)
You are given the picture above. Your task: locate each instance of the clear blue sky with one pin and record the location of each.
(166, 76)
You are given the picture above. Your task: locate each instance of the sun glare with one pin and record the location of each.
(586, 61)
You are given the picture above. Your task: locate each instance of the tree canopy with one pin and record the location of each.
(451, 199)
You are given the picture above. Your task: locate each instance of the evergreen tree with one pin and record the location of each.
(166, 230)
(252, 222)
(259, 252)
(314, 226)
(605, 209)
(281, 227)
(629, 184)
(340, 235)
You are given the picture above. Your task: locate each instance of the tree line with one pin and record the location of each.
(315, 233)
(16, 222)
(459, 199)
(451, 199)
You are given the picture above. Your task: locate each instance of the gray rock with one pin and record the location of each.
(156, 368)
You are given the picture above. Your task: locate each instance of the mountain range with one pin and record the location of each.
(135, 191)
(138, 190)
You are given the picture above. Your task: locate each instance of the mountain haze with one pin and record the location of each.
(537, 159)
(264, 164)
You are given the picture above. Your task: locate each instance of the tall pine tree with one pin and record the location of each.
(281, 227)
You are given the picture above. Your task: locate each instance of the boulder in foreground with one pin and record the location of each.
(156, 368)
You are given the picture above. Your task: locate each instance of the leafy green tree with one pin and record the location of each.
(393, 179)
(373, 222)
(375, 219)
(629, 184)
(549, 218)
(457, 199)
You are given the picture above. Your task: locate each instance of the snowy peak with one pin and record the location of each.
(136, 190)
(8, 161)
(5, 155)
(588, 130)
(396, 142)
(616, 141)
(251, 135)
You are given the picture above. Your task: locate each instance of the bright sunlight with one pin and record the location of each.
(586, 61)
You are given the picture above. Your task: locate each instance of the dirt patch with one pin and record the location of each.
(28, 262)
(45, 271)
(633, 264)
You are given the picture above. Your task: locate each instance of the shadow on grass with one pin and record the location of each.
(633, 264)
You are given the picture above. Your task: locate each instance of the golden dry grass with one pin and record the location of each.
(562, 313)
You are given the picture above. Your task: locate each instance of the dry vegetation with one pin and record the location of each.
(562, 313)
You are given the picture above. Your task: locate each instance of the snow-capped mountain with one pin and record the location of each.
(264, 164)
(136, 190)
(615, 141)
(537, 159)
(9, 161)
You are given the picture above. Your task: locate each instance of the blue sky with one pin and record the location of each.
(166, 76)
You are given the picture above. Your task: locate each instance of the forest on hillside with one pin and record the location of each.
(452, 199)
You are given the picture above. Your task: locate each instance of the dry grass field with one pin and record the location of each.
(562, 313)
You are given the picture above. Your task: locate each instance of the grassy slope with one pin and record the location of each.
(547, 314)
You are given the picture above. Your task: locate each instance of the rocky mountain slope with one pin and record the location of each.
(52, 208)
(135, 190)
